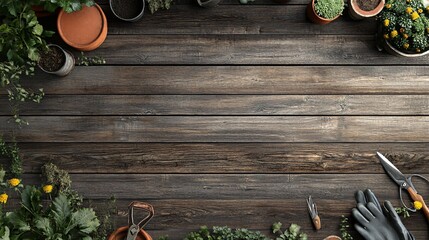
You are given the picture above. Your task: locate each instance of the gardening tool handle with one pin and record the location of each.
(140, 205)
(417, 197)
(317, 223)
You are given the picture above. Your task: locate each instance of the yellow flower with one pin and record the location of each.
(409, 10)
(48, 188)
(427, 30)
(406, 45)
(3, 198)
(427, 8)
(420, 10)
(386, 36)
(386, 22)
(393, 33)
(405, 36)
(14, 182)
(414, 16)
(418, 50)
(418, 205)
(388, 5)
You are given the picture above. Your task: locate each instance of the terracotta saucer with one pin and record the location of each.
(84, 30)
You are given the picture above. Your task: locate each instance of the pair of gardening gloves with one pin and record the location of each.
(376, 222)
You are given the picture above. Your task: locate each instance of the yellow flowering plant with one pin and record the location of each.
(405, 25)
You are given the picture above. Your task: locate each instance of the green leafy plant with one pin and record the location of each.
(11, 153)
(55, 217)
(90, 61)
(344, 228)
(225, 233)
(68, 5)
(292, 233)
(21, 40)
(329, 9)
(405, 25)
(155, 5)
(403, 211)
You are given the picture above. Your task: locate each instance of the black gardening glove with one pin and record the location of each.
(375, 222)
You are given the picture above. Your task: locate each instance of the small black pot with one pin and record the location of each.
(127, 10)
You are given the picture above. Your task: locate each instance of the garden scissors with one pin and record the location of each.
(405, 183)
(312, 210)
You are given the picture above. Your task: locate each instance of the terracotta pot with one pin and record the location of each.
(68, 66)
(312, 15)
(84, 30)
(135, 228)
(332, 237)
(357, 13)
(124, 18)
(121, 234)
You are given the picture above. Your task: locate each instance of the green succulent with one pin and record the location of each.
(405, 25)
(329, 9)
(155, 5)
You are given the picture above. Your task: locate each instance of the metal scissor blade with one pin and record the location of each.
(312, 209)
(391, 170)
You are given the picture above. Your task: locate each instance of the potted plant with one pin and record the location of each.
(324, 11)
(360, 9)
(56, 61)
(404, 28)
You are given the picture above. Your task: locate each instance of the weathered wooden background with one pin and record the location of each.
(233, 116)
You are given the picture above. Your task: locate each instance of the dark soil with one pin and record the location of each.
(52, 60)
(127, 9)
(367, 5)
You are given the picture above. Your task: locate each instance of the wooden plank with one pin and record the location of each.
(247, 49)
(189, 215)
(224, 157)
(221, 129)
(224, 19)
(226, 105)
(229, 186)
(237, 80)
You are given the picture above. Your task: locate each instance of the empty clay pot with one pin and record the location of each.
(121, 234)
(312, 15)
(84, 30)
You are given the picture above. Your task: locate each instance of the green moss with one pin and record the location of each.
(329, 9)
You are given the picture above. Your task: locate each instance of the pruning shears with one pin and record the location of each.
(134, 228)
(405, 183)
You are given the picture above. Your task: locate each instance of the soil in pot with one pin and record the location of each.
(127, 9)
(367, 5)
(52, 60)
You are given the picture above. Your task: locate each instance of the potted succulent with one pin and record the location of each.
(360, 9)
(324, 11)
(56, 61)
(404, 28)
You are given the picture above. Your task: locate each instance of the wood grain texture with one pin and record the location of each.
(224, 157)
(229, 186)
(224, 19)
(237, 80)
(221, 129)
(247, 49)
(226, 105)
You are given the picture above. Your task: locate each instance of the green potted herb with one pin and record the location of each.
(404, 28)
(324, 11)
